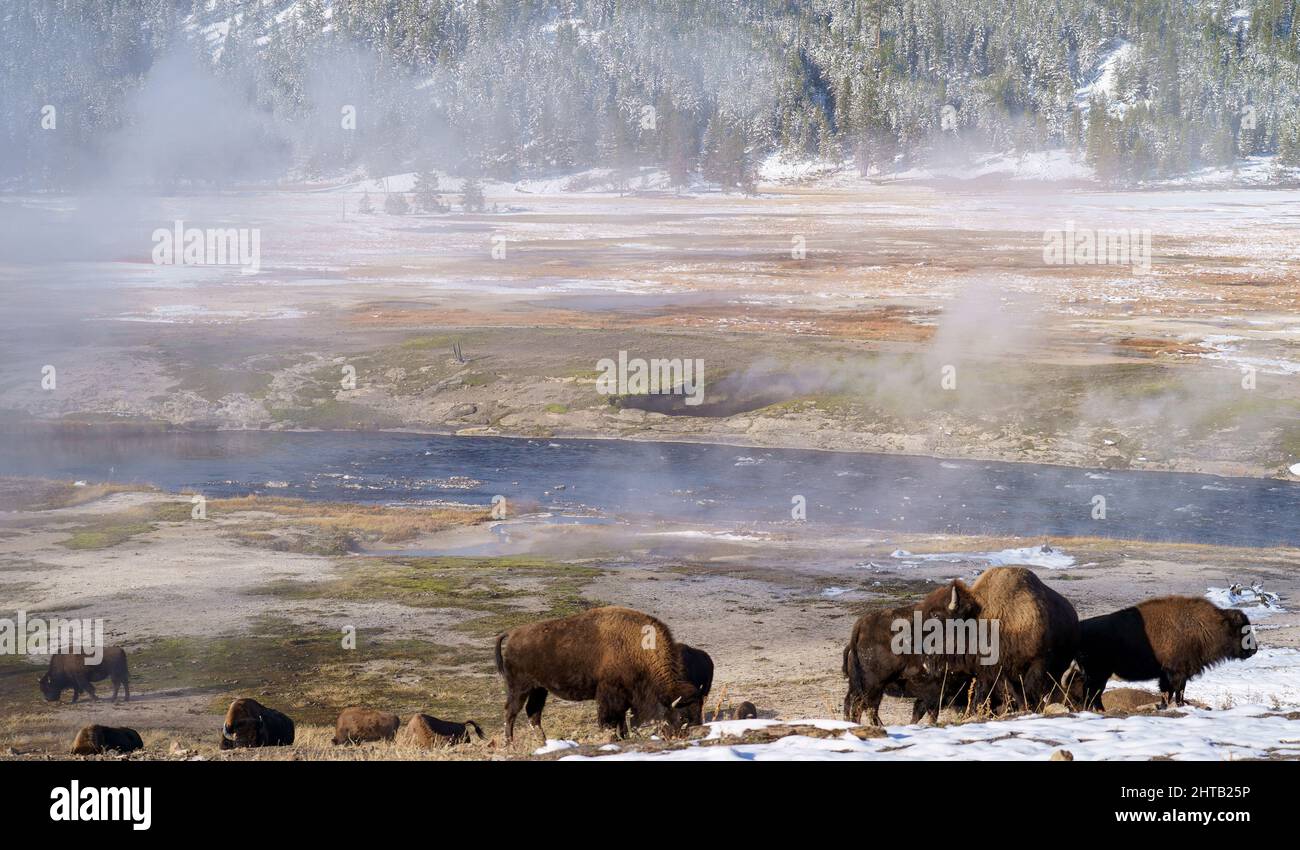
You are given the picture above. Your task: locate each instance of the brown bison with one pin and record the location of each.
(96, 740)
(699, 670)
(746, 711)
(1037, 636)
(357, 725)
(621, 658)
(424, 730)
(1172, 639)
(71, 670)
(251, 724)
(874, 666)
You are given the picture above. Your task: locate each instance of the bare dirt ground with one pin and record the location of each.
(211, 609)
(825, 319)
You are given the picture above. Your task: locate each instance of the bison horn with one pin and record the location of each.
(227, 733)
(952, 605)
(674, 705)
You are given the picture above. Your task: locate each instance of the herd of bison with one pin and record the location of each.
(629, 662)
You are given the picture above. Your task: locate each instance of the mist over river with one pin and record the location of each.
(676, 481)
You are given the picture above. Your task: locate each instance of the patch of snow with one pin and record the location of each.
(1102, 79)
(1199, 735)
(555, 746)
(1253, 599)
(1027, 556)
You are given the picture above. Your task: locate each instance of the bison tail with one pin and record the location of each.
(470, 724)
(853, 669)
(501, 662)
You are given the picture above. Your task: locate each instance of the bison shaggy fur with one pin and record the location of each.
(357, 725)
(623, 659)
(1038, 636)
(427, 731)
(96, 740)
(1171, 639)
(250, 724)
(72, 670)
(873, 669)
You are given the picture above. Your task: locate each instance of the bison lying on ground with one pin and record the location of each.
(96, 740)
(251, 724)
(72, 670)
(621, 658)
(1171, 639)
(1037, 636)
(873, 667)
(357, 725)
(746, 711)
(424, 730)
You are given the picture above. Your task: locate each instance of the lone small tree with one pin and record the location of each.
(472, 199)
(425, 194)
(363, 206)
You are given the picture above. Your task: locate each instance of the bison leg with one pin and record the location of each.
(1171, 689)
(852, 706)
(611, 712)
(871, 701)
(90, 689)
(533, 708)
(514, 702)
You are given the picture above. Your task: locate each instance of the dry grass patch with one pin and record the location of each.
(359, 523)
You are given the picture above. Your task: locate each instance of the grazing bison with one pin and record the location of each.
(873, 667)
(424, 730)
(96, 740)
(699, 670)
(1172, 639)
(621, 658)
(746, 711)
(251, 724)
(71, 670)
(1037, 636)
(357, 725)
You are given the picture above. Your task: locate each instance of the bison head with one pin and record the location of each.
(50, 691)
(952, 601)
(243, 726)
(686, 709)
(1243, 634)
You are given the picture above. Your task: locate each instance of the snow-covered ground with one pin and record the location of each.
(1249, 721)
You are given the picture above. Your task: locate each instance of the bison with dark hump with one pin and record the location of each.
(96, 740)
(251, 724)
(623, 659)
(1171, 639)
(874, 667)
(1037, 637)
(358, 725)
(72, 670)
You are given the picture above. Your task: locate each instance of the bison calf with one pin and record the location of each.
(96, 740)
(1172, 639)
(424, 730)
(873, 667)
(621, 658)
(357, 725)
(251, 724)
(72, 670)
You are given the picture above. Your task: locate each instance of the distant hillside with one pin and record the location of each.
(221, 91)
